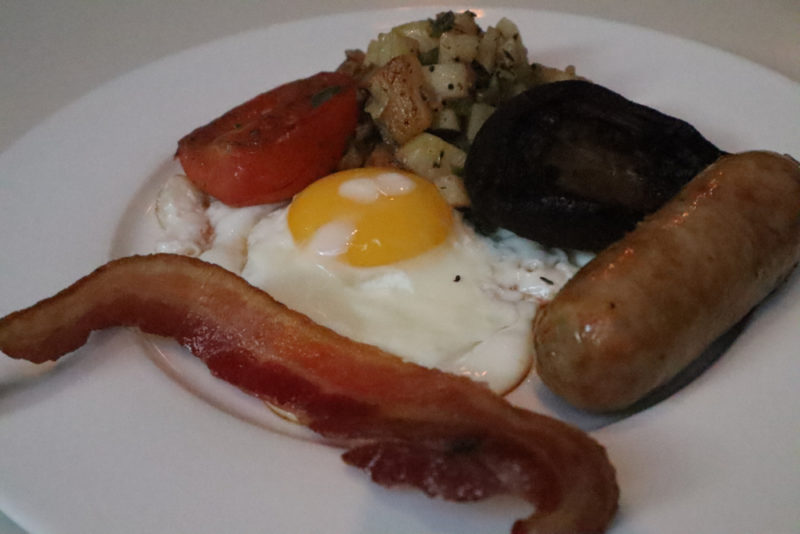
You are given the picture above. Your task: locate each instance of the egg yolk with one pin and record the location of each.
(370, 216)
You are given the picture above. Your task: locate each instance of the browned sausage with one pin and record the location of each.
(648, 305)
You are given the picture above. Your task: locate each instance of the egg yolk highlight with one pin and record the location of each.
(370, 216)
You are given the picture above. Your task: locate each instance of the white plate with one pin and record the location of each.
(107, 442)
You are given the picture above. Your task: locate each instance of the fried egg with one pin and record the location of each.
(377, 255)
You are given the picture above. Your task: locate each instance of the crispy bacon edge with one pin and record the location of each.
(402, 423)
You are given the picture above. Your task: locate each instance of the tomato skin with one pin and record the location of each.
(274, 145)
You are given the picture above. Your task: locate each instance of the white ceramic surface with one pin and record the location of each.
(107, 442)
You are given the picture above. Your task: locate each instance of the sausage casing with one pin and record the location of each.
(648, 305)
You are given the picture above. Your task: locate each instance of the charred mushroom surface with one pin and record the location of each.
(575, 165)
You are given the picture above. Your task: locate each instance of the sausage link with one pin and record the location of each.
(649, 304)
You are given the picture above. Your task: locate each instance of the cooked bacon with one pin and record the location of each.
(402, 423)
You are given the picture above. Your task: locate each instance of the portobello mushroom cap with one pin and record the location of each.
(573, 164)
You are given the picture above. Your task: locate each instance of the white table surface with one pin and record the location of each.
(52, 52)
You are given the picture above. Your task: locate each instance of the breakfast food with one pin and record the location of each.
(269, 148)
(563, 161)
(651, 302)
(380, 258)
(429, 85)
(573, 164)
(377, 255)
(402, 423)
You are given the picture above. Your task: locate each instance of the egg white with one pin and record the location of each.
(433, 309)
(464, 307)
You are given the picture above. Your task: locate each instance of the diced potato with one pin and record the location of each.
(431, 156)
(455, 47)
(421, 77)
(450, 80)
(511, 53)
(452, 189)
(420, 31)
(487, 48)
(378, 99)
(388, 46)
(477, 116)
(464, 22)
(353, 64)
(446, 119)
(399, 103)
(507, 28)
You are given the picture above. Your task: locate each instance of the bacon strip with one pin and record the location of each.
(402, 423)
